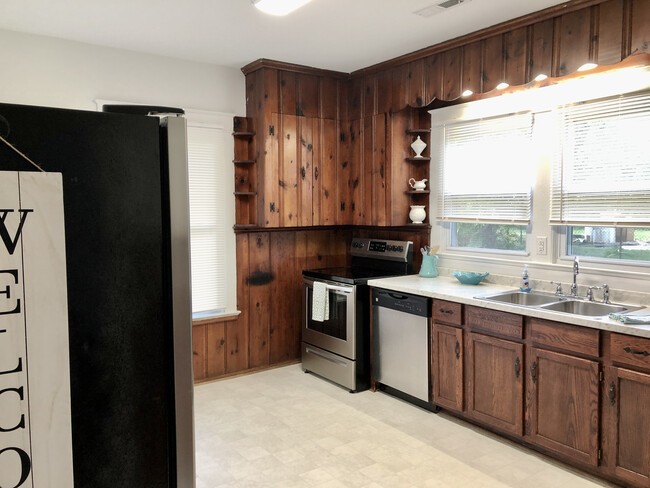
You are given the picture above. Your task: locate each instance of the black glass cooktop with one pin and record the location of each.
(351, 274)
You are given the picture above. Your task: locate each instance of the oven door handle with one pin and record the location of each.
(342, 289)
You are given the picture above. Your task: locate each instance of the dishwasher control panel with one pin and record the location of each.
(402, 302)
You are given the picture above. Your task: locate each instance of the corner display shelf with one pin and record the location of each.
(245, 173)
(418, 171)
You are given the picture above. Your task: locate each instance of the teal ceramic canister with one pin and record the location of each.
(428, 269)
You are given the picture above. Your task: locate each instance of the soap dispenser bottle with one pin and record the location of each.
(525, 285)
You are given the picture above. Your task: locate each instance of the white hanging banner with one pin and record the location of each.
(35, 421)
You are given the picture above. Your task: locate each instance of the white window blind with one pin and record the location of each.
(601, 173)
(487, 170)
(206, 150)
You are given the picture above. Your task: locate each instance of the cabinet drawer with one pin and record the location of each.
(447, 312)
(634, 351)
(495, 322)
(569, 338)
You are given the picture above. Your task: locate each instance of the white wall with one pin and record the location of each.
(39, 70)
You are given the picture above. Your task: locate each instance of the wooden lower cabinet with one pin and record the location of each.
(626, 404)
(563, 406)
(495, 371)
(447, 371)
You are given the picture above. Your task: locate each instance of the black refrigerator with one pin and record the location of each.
(125, 198)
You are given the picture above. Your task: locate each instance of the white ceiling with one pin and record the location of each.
(343, 35)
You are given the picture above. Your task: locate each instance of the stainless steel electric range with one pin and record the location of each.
(338, 348)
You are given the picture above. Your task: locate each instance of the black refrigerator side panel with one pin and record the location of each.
(118, 320)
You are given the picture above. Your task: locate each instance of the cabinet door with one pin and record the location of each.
(447, 377)
(495, 382)
(564, 404)
(626, 400)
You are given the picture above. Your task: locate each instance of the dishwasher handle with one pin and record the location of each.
(402, 302)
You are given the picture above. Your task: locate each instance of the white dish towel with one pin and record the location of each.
(320, 306)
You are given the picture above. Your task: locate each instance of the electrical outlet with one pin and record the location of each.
(541, 245)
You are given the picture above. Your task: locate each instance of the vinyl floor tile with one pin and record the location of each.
(283, 428)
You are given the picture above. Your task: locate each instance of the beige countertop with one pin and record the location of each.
(447, 288)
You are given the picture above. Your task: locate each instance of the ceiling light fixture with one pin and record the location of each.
(278, 7)
(587, 66)
(467, 93)
(502, 86)
(541, 77)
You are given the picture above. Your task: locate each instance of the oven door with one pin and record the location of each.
(336, 334)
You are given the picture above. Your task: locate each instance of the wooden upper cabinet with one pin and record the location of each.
(308, 102)
(329, 98)
(325, 175)
(288, 92)
(563, 406)
(627, 429)
(495, 372)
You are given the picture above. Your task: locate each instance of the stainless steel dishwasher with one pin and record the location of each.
(401, 342)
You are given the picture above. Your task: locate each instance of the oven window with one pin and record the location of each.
(336, 325)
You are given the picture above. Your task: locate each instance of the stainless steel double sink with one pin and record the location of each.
(563, 304)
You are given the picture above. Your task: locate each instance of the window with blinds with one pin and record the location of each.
(487, 171)
(601, 172)
(207, 151)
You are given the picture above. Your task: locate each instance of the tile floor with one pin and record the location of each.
(283, 428)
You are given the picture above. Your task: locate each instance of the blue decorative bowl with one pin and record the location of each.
(469, 278)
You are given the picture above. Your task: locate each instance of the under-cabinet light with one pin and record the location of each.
(278, 7)
(541, 77)
(467, 93)
(587, 66)
(502, 86)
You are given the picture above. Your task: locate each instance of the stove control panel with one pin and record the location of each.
(381, 249)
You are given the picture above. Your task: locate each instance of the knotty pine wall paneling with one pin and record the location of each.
(472, 67)
(493, 64)
(541, 49)
(639, 21)
(259, 284)
(609, 21)
(516, 55)
(573, 42)
(237, 331)
(415, 97)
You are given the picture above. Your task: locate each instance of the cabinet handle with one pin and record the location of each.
(634, 351)
(450, 312)
(611, 393)
(517, 367)
(533, 371)
(457, 350)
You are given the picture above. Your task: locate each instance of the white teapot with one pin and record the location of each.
(418, 185)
